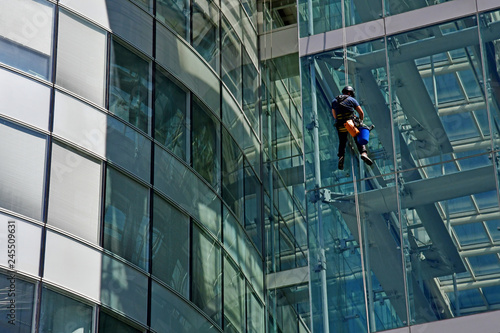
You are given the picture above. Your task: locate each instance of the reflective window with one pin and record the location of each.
(252, 220)
(175, 14)
(170, 313)
(124, 289)
(234, 298)
(22, 170)
(255, 314)
(26, 36)
(110, 324)
(171, 105)
(75, 183)
(250, 92)
(128, 148)
(16, 318)
(130, 87)
(206, 31)
(205, 144)
(187, 190)
(231, 60)
(207, 274)
(396, 7)
(63, 314)
(126, 219)
(81, 57)
(232, 175)
(171, 246)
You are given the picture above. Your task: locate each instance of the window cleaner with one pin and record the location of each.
(344, 108)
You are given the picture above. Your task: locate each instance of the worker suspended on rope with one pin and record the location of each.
(343, 110)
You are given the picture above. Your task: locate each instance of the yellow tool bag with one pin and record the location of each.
(353, 130)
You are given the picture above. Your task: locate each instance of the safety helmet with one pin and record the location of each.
(348, 90)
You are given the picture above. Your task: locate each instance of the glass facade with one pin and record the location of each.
(134, 192)
(411, 239)
(171, 166)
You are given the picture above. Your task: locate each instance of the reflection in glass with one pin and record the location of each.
(130, 87)
(206, 31)
(170, 115)
(207, 273)
(26, 36)
(170, 246)
(109, 324)
(63, 314)
(175, 14)
(24, 306)
(231, 60)
(128, 148)
(250, 92)
(232, 175)
(126, 219)
(205, 144)
(234, 298)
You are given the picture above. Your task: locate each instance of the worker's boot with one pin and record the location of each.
(341, 162)
(366, 159)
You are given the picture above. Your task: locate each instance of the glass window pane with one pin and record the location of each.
(126, 219)
(179, 183)
(205, 144)
(231, 60)
(207, 273)
(250, 92)
(73, 265)
(485, 264)
(234, 299)
(26, 36)
(174, 14)
(131, 23)
(124, 289)
(170, 313)
(170, 115)
(206, 31)
(63, 314)
(21, 170)
(471, 233)
(232, 175)
(81, 57)
(74, 200)
(80, 123)
(171, 246)
(109, 324)
(255, 314)
(128, 148)
(130, 87)
(28, 240)
(19, 321)
(32, 108)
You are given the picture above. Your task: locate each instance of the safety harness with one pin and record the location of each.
(343, 112)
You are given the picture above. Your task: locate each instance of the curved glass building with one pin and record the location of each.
(171, 166)
(137, 169)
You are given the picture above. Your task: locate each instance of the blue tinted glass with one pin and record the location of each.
(470, 84)
(486, 199)
(459, 126)
(471, 233)
(485, 264)
(460, 205)
(494, 229)
(473, 162)
(448, 88)
(482, 118)
(492, 294)
(470, 298)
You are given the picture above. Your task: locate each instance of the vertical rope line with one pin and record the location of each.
(344, 44)
(361, 247)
